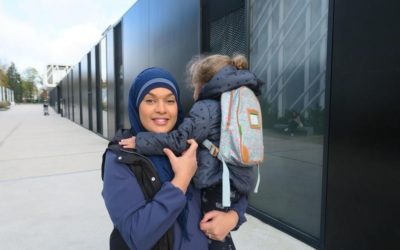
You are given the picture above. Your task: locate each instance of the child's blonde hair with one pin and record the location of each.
(201, 69)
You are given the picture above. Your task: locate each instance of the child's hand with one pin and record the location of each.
(128, 143)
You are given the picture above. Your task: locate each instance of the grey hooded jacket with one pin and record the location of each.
(203, 122)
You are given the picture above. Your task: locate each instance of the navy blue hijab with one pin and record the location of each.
(147, 80)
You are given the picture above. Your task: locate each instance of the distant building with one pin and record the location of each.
(54, 74)
(6, 94)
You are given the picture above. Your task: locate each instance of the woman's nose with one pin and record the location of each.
(160, 107)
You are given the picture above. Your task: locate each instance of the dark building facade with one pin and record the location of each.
(330, 182)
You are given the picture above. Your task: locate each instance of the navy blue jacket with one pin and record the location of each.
(142, 223)
(204, 122)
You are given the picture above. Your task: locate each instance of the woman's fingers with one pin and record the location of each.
(192, 148)
(183, 166)
(128, 143)
(218, 224)
(171, 156)
(208, 216)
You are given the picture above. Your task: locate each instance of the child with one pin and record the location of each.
(210, 76)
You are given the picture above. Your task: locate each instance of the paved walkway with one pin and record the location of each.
(50, 188)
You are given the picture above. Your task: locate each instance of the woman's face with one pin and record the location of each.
(158, 111)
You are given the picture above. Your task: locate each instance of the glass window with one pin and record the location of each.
(103, 85)
(288, 41)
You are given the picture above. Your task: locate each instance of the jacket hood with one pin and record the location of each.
(229, 78)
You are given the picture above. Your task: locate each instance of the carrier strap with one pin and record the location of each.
(226, 185)
(258, 179)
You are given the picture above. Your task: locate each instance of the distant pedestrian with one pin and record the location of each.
(294, 123)
(45, 108)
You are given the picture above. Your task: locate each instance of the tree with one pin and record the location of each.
(14, 81)
(3, 78)
(30, 82)
(32, 75)
(29, 91)
(44, 96)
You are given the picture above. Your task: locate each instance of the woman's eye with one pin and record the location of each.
(150, 101)
(172, 101)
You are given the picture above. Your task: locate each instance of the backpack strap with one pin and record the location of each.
(226, 185)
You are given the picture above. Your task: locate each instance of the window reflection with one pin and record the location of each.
(103, 85)
(288, 41)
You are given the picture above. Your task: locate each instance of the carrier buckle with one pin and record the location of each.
(214, 150)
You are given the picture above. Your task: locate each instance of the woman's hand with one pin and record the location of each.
(216, 225)
(184, 166)
(128, 143)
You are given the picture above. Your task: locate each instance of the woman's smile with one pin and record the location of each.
(160, 121)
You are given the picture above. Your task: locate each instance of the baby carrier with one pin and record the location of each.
(241, 143)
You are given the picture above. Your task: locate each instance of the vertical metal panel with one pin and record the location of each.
(90, 92)
(80, 96)
(63, 97)
(118, 69)
(76, 95)
(363, 164)
(174, 38)
(94, 85)
(71, 96)
(59, 96)
(103, 114)
(135, 40)
(52, 99)
(111, 105)
(84, 64)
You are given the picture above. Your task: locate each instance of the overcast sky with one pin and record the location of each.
(34, 33)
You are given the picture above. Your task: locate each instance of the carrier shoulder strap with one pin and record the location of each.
(226, 186)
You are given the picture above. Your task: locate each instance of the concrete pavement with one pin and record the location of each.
(50, 188)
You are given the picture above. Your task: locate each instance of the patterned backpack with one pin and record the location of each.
(241, 143)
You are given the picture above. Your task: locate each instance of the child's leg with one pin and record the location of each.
(227, 244)
(212, 200)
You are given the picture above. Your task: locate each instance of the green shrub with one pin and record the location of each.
(4, 105)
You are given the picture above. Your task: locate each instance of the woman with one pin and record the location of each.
(160, 211)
